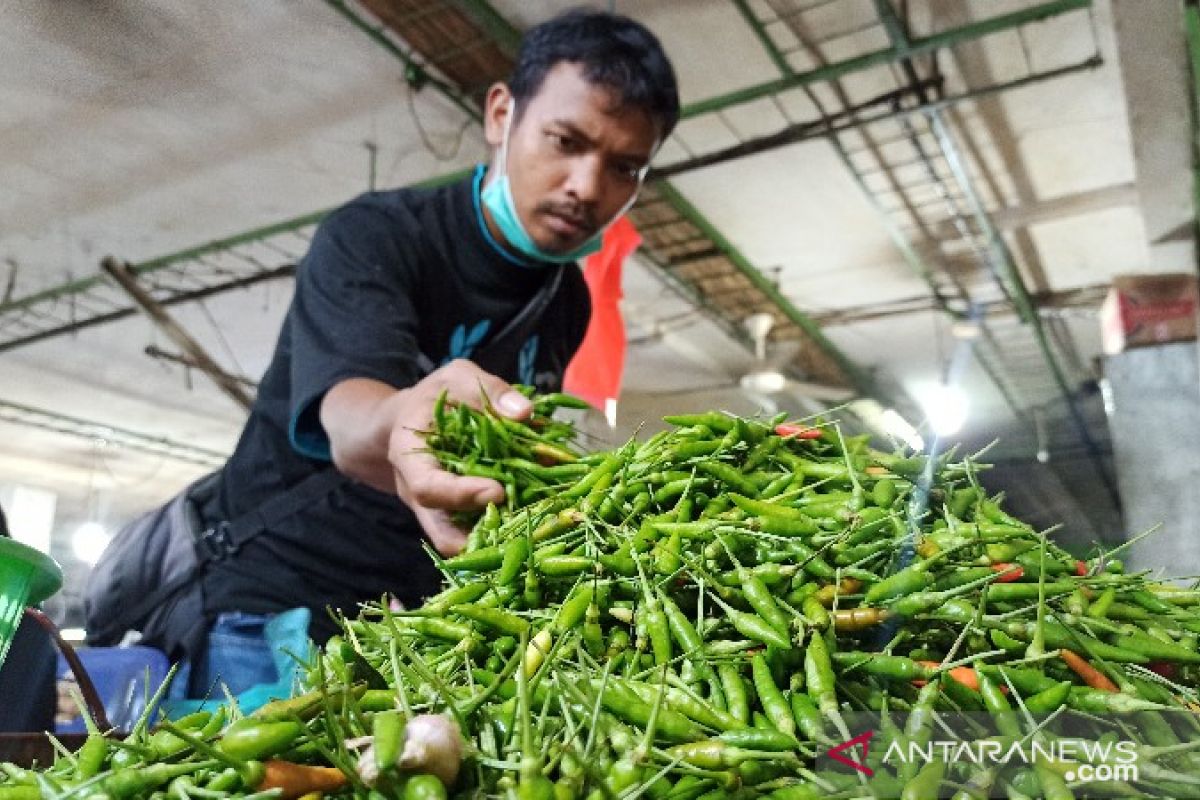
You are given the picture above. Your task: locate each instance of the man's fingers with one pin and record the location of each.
(446, 538)
(466, 383)
(421, 481)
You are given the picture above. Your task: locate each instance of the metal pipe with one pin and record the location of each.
(286, 271)
(376, 32)
(17, 414)
(858, 378)
(1192, 25)
(828, 72)
(497, 28)
(219, 245)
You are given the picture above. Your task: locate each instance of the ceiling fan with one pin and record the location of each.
(767, 375)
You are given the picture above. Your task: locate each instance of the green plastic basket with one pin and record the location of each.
(27, 576)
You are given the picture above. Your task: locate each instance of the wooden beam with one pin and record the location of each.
(227, 383)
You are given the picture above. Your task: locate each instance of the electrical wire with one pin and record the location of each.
(424, 135)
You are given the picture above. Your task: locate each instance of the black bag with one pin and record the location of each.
(148, 578)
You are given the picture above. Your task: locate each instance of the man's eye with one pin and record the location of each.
(628, 171)
(565, 143)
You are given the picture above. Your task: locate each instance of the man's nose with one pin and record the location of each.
(584, 181)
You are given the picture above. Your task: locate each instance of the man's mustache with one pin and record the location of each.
(572, 211)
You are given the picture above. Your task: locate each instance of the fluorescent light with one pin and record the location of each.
(765, 381)
(610, 411)
(73, 635)
(965, 330)
(899, 427)
(31, 516)
(887, 422)
(89, 541)
(945, 408)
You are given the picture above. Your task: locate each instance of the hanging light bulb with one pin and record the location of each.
(1039, 430)
(945, 408)
(89, 541)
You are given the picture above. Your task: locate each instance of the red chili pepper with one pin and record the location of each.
(1165, 668)
(1008, 572)
(795, 431)
(1081, 568)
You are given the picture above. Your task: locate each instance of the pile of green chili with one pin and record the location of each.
(706, 614)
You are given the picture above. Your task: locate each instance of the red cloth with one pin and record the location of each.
(595, 372)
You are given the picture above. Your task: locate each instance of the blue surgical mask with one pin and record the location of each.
(497, 197)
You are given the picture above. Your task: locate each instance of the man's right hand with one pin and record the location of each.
(389, 452)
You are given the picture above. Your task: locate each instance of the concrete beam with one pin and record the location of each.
(1153, 60)
(1071, 205)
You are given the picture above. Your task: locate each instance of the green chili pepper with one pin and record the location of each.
(997, 705)
(565, 566)
(754, 627)
(493, 618)
(626, 705)
(20, 793)
(387, 731)
(1053, 787)
(808, 717)
(483, 560)
(818, 675)
(712, 754)
(445, 629)
(729, 476)
(883, 494)
(770, 698)
(714, 420)
(734, 689)
(426, 787)
(516, 552)
(91, 756)
(760, 739)
(926, 783)
(1050, 700)
(140, 781)
(251, 738)
(657, 629)
(666, 555)
(918, 728)
(762, 601)
(685, 634)
(885, 666)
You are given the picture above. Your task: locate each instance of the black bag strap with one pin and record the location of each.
(504, 344)
(227, 537)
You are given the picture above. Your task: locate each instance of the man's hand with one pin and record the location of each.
(426, 488)
(389, 452)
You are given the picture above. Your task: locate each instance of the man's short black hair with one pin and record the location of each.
(612, 50)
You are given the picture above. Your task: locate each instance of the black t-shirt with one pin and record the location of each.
(394, 283)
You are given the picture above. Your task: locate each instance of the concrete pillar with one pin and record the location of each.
(1154, 418)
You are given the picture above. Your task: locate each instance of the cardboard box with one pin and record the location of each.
(1145, 310)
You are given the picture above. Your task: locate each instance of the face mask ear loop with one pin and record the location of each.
(512, 112)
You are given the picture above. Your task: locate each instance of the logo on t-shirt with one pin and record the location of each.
(463, 342)
(526, 361)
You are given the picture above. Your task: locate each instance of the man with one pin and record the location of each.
(406, 294)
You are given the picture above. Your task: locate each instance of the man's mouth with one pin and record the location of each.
(567, 226)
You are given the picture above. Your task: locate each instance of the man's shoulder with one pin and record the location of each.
(403, 212)
(394, 204)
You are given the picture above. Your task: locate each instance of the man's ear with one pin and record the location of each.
(497, 105)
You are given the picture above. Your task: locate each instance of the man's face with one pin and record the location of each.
(574, 154)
